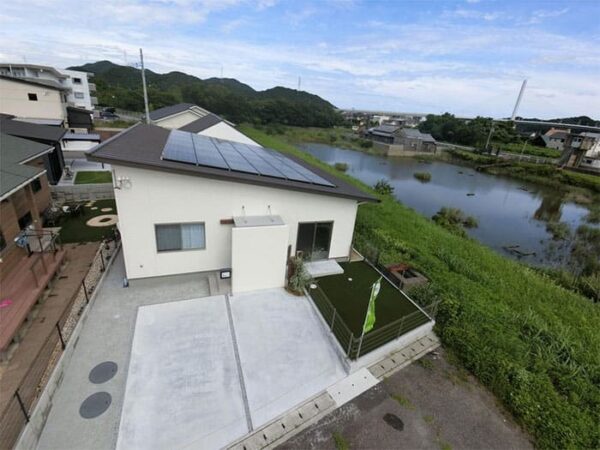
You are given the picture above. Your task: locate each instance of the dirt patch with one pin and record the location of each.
(431, 404)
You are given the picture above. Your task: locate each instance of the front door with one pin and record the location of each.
(314, 239)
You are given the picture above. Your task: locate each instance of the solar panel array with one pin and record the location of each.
(205, 151)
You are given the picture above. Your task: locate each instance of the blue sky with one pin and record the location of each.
(468, 57)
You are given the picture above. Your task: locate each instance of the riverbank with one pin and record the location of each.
(531, 342)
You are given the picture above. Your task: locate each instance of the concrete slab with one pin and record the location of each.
(352, 386)
(323, 268)
(286, 355)
(183, 387)
(107, 335)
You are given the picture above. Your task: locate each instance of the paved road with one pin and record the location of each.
(428, 405)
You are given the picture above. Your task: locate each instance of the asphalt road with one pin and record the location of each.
(430, 404)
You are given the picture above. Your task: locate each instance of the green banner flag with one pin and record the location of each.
(370, 318)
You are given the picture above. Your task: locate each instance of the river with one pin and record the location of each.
(509, 212)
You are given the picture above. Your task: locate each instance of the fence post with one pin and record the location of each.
(87, 299)
(102, 261)
(401, 327)
(333, 318)
(350, 341)
(60, 336)
(360, 345)
(23, 409)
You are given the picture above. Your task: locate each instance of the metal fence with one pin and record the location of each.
(357, 346)
(23, 401)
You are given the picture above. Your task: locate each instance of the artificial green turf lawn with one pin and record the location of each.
(93, 177)
(351, 298)
(74, 229)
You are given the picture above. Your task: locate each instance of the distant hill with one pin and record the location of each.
(579, 120)
(120, 86)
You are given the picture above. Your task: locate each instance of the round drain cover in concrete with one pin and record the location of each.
(394, 421)
(95, 405)
(103, 372)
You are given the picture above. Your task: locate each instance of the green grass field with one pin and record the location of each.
(351, 298)
(93, 177)
(74, 229)
(534, 344)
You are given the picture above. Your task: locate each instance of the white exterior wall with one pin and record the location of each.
(178, 120)
(258, 258)
(223, 130)
(160, 197)
(14, 100)
(83, 87)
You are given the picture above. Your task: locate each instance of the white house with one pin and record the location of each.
(78, 89)
(192, 203)
(32, 99)
(192, 118)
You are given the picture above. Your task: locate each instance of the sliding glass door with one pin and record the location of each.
(314, 239)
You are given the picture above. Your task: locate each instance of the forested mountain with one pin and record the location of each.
(121, 87)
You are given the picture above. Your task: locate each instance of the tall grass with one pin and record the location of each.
(533, 343)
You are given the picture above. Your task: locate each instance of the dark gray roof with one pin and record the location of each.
(414, 133)
(558, 135)
(202, 123)
(31, 130)
(44, 83)
(14, 152)
(142, 146)
(384, 129)
(170, 110)
(80, 110)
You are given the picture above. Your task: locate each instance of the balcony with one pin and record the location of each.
(94, 100)
(92, 87)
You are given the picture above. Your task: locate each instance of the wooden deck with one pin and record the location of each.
(21, 288)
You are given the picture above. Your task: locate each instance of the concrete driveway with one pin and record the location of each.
(204, 372)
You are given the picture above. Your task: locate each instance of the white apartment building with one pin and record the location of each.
(79, 90)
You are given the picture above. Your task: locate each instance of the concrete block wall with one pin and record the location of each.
(82, 192)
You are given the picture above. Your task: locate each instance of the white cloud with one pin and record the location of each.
(466, 67)
(541, 15)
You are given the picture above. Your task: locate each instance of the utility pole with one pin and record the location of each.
(144, 86)
(299, 82)
(519, 98)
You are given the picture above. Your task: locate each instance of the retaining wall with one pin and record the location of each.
(82, 192)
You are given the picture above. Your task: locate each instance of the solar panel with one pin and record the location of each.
(234, 160)
(207, 153)
(211, 152)
(179, 148)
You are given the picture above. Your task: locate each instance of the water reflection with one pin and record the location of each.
(510, 213)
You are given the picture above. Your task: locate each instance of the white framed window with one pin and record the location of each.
(172, 237)
(78, 94)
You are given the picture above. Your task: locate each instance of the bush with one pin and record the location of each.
(422, 176)
(365, 143)
(559, 230)
(341, 166)
(454, 220)
(383, 187)
(299, 277)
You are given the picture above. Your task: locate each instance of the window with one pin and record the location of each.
(78, 94)
(36, 185)
(2, 242)
(180, 236)
(32, 97)
(77, 80)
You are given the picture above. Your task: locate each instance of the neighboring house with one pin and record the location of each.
(553, 138)
(39, 99)
(192, 118)
(25, 270)
(50, 136)
(397, 141)
(582, 150)
(190, 203)
(79, 90)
